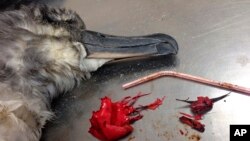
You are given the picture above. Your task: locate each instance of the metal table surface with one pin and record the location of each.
(214, 42)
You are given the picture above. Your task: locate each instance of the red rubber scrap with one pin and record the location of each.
(113, 120)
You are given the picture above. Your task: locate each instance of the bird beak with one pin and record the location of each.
(103, 46)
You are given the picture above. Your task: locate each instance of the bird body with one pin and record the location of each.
(42, 54)
(37, 61)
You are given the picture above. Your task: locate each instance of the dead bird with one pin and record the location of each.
(46, 51)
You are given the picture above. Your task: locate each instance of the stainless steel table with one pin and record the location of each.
(214, 41)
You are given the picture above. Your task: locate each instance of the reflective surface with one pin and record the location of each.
(214, 42)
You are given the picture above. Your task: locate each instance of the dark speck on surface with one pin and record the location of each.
(140, 130)
(131, 138)
(194, 137)
(181, 132)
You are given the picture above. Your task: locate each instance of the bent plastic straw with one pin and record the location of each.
(222, 85)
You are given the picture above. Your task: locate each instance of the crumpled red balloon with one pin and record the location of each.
(195, 124)
(203, 104)
(113, 120)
